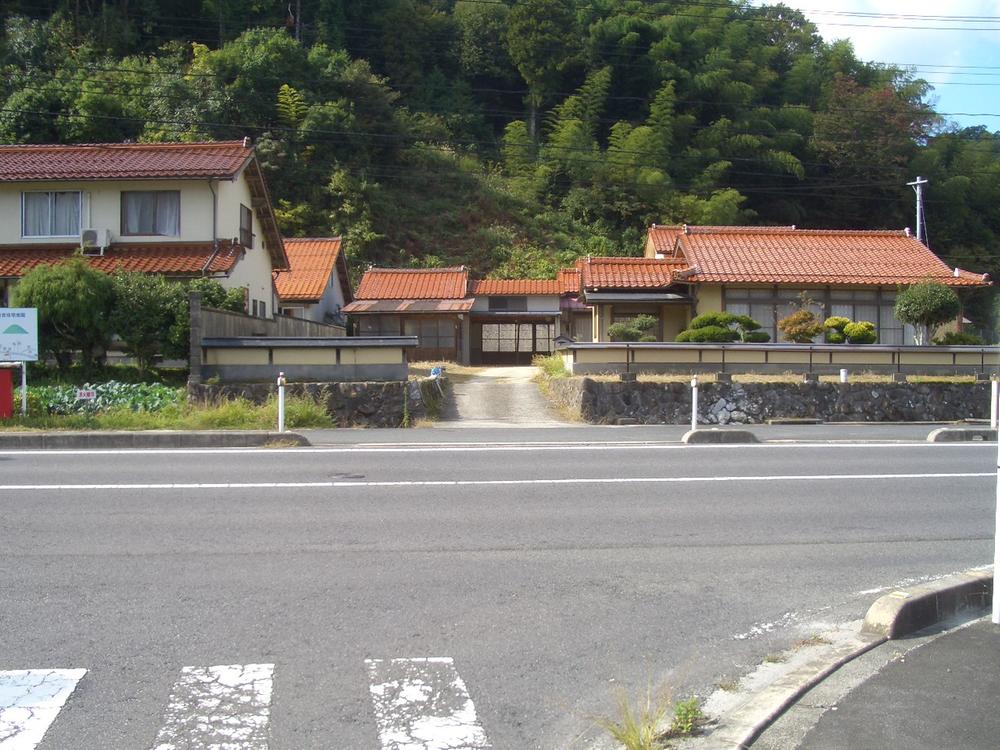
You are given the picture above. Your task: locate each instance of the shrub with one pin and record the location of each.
(716, 319)
(687, 717)
(551, 365)
(647, 337)
(862, 332)
(834, 326)
(146, 397)
(645, 323)
(801, 327)
(959, 338)
(723, 327)
(708, 334)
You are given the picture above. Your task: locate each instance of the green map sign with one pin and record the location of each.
(18, 334)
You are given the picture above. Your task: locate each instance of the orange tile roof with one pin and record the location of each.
(311, 260)
(816, 256)
(663, 236)
(515, 287)
(628, 273)
(124, 161)
(569, 280)
(414, 283)
(381, 306)
(169, 259)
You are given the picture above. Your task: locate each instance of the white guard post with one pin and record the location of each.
(281, 402)
(994, 398)
(694, 403)
(996, 546)
(843, 375)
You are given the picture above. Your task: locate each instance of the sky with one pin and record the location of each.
(952, 44)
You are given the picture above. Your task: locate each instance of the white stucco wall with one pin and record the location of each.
(538, 303)
(101, 209)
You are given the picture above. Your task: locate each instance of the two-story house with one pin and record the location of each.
(183, 210)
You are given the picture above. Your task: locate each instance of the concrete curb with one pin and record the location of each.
(892, 616)
(961, 434)
(901, 613)
(715, 436)
(104, 440)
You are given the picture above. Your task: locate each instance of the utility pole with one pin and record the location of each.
(917, 186)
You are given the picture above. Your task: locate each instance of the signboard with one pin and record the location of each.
(18, 334)
(86, 395)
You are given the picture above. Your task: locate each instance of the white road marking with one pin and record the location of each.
(485, 482)
(30, 700)
(486, 447)
(224, 707)
(423, 704)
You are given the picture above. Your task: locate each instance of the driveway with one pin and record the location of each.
(500, 397)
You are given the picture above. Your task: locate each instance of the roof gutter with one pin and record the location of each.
(215, 229)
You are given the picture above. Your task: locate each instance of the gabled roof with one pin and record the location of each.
(312, 261)
(414, 283)
(815, 256)
(664, 236)
(627, 273)
(170, 259)
(124, 161)
(515, 287)
(569, 280)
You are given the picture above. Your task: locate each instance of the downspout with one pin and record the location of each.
(215, 229)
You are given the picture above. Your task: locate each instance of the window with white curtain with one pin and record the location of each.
(50, 213)
(151, 212)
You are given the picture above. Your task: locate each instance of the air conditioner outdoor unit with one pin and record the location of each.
(95, 241)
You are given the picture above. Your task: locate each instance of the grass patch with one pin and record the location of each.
(551, 365)
(236, 414)
(775, 659)
(729, 686)
(639, 724)
(813, 640)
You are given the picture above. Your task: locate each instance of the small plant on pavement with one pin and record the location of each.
(687, 718)
(639, 726)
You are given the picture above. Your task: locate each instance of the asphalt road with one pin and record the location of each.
(545, 572)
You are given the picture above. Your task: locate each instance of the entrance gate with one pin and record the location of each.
(515, 343)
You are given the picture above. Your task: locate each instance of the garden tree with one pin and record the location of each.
(74, 302)
(542, 39)
(177, 339)
(638, 328)
(925, 306)
(803, 325)
(142, 314)
(834, 327)
(721, 327)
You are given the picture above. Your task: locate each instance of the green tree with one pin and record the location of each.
(925, 306)
(543, 42)
(143, 312)
(74, 302)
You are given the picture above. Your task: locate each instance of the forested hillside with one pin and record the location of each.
(512, 135)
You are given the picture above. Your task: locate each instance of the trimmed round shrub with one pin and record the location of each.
(624, 332)
(862, 332)
(708, 334)
(647, 337)
(712, 319)
(959, 338)
(756, 337)
(836, 323)
(835, 337)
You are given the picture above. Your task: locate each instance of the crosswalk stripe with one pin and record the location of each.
(423, 704)
(225, 706)
(30, 700)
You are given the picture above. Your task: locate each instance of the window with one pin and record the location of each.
(50, 214)
(151, 212)
(379, 325)
(434, 333)
(246, 227)
(510, 304)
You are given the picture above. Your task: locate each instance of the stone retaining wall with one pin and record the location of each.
(601, 402)
(362, 404)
